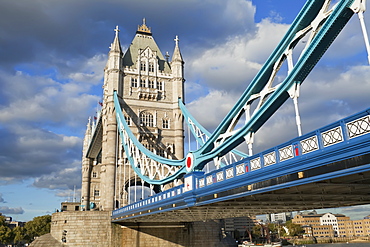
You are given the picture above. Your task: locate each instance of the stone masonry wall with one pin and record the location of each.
(94, 228)
(82, 228)
(194, 234)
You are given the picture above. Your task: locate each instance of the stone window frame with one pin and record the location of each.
(133, 82)
(142, 83)
(160, 85)
(165, 123)
(151, 67)
(143, 66)
(146, 119)
(128, 120)
(151, 84)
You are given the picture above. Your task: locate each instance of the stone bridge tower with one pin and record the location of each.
(149, 86)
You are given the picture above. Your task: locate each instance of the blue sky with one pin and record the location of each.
(52, 56)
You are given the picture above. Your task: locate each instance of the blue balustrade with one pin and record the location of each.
(310, 144)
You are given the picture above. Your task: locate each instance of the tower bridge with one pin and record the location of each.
(135, 172)
(326, 168)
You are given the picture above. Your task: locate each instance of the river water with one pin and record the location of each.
(336, 245)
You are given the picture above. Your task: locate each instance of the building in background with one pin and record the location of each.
(279, 218)
(239, 227)
(332, 225)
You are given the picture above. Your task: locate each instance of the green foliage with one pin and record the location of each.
(18, 234)
(2, 220)
(37, 227)
(34, 228)
(294, 229)
(5, 234)
(256, 231)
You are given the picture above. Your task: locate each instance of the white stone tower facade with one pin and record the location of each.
(149, 86)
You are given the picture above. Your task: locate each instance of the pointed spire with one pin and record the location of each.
(176, 53)
(88, 132)
(116, 46)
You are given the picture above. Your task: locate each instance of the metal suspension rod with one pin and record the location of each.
(135, 189)
(359, 7)
(142, 189)
(364, 32)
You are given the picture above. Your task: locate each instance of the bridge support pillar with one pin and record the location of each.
(193, 234)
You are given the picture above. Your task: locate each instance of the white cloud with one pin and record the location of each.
(7, 210)
(356, 212)
(28, 152)
(233, 64)
(39, 98)
(64, 179)
(216, 105)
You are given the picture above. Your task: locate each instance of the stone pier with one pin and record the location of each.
(94, 228)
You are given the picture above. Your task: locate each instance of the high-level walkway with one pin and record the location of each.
(329, 167)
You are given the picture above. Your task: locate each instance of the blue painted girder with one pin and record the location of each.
(187, 116)
(331, 27)
(329, 30)
(347, 157)
(122, 127)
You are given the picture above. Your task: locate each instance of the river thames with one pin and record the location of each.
(335, 245)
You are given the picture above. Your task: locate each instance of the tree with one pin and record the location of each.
(19, 234)
(2, 220)
(6, 235)
(294, 229)
(38, 226)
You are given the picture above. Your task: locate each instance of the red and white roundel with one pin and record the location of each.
(189, 162)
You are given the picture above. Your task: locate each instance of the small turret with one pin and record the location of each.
(177, 57)
(113, 73)
(177, 67)
(116, 46)
(86, 168)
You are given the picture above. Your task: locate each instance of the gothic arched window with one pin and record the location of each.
(151, 67)
(146, 119)
(151, 84)
(142, 66)
(142, 83)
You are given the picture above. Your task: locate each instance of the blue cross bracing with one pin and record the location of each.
(334, 159)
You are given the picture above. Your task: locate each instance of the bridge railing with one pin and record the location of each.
(315, 141)
(155, 199)
(323, 138)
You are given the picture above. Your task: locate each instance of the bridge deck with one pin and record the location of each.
(326, 168)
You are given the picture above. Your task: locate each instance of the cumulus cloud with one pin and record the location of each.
(217, 104)
(6, 210)
(30, 152)
(64, 179)
(233, 64)
(356, 212)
